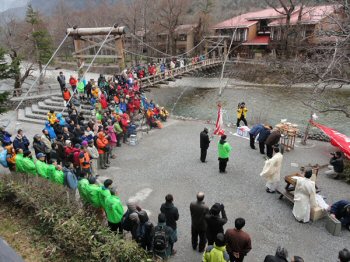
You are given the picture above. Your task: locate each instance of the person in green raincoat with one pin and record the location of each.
(28, 163)
(82, 185)
(92, 193)
(19, 161)
(41, 166)
(55, 173)
(114, 211)
(105, 192)
(81, 89)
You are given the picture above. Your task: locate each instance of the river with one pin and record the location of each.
(265, 104)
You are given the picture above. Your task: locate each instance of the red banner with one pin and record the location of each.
(337, 139)
(219, 123)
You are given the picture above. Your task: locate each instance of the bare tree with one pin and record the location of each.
(170, 13)
(15, 40)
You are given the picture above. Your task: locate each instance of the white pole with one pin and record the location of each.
(42, 71)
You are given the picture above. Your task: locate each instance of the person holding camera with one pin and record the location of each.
(241, 114)
(336, 166)
(215, 223)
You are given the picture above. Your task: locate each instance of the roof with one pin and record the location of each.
(310, 15)
(247, 19)
(183, 29)
(258, 40)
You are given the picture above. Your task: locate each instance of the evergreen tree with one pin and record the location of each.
(41, 38)
(6, 71)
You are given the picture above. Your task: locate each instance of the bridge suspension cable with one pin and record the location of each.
(42, 71)
(152, 57)
(170, 56)
(92, 61)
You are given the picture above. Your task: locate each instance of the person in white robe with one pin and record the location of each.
(304, 197)
(272, 171)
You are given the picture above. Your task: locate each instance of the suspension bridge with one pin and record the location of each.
(37, 113)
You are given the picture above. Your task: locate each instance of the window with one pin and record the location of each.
(182, 37)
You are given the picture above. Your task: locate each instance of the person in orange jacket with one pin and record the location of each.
(11, 157)
(84, 159)
(103, 148)
(66, 94)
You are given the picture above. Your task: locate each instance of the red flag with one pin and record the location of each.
(337, 139)
(219, 123)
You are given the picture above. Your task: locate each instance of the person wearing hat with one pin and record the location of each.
(216, 252)
(215, 223)
(204, 144)
(224, 150)
(163, 239)
(41, 166)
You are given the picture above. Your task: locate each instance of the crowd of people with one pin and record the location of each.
(71, 150)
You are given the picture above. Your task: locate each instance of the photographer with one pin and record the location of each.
(336, 166)
(215, 223)
(241, 114)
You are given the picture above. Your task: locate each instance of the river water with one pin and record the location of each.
(265, 104)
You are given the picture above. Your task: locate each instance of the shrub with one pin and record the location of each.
(75, 231)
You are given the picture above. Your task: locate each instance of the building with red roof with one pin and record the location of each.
(260, 32)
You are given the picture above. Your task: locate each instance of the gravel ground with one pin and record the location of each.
(167, 161)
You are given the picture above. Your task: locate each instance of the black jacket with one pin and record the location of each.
(39, 147)
(270, 258)
(204, 140)
(215, 224)
(338, 164)
(273, 138)
(198, 211)
(171, 213)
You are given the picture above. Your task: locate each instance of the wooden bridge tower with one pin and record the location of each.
(87, 41)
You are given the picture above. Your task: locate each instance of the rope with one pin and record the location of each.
(141, 55)
(170, 56)
(93, 60)
(42, 71)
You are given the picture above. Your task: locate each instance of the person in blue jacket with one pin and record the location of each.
(263, 135)
(61, 120)
(253, 133)
(51, 131)
(21, 141)
(341, 211)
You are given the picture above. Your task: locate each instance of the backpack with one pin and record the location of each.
(126, 221)
(70, 180)
(160, 240)
(3, 160)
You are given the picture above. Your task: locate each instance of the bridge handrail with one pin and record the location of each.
(179, 70)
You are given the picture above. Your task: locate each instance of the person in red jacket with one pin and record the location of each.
(73, 83)
(102, 147)
(66, 95)
(125, 124)
(103, 101)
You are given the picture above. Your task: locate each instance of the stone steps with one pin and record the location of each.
(37, 113)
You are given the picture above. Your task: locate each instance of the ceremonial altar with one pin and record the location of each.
(288, 134)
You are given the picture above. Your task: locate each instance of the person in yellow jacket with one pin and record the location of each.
(95, 91)
(241, 114)
(51, 116)
(217, 252)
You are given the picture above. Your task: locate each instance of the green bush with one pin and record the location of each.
(75, 231)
